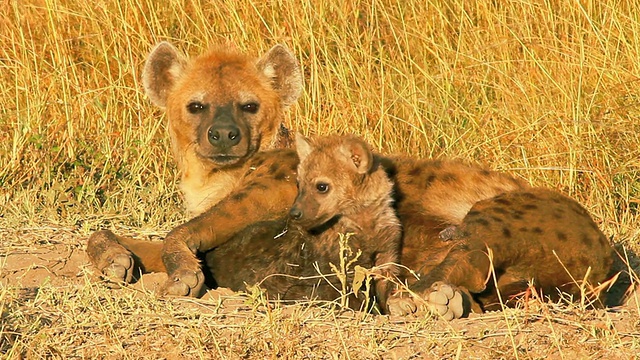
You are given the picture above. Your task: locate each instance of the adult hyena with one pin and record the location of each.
(225, 112)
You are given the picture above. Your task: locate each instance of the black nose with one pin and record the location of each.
(224, 135)
(295, 213)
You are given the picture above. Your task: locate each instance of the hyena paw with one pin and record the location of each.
(401, 304)
(441, 300)
(112, 259)
(184, 283)
(119, 270)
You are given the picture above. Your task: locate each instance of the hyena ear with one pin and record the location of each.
(303, 147)
(356, 154)
(279, 65)
(164, 66)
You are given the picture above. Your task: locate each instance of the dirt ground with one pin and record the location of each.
(53, 306)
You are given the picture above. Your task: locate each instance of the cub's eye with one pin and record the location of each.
(322, 187)
(251, 108)
(196, 107)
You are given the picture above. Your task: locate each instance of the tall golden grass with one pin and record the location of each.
(545, 89)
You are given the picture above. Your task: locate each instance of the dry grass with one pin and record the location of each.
(545, 89)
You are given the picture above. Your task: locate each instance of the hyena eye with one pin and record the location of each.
(251, 108)
(322, 187)
(196, 107)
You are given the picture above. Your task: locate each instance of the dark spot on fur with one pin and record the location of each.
(480, 221)
(515, 182)
(506, 232)
(239, 196)
(530, 207)
(538, 230)
(561, 236)
(517, 215)
(485, 172)
(503, 201)
(496, 219)
(280, 175)
(416, 171)
(500, 210)
(587, 240)
(259, 160)
(430, 179)
(524, 229)
(273, 168)
(558, 214)
(241, 211)
(473, 213)
(529, 195)
(449, 177)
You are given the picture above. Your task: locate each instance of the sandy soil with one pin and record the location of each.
(44, 274)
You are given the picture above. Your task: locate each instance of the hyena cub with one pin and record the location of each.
(342, 190)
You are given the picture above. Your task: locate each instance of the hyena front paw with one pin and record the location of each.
(184, 283)
(444, 301)
(112, 259)
(441, 299)
(401, 304)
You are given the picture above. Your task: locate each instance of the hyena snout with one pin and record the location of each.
(296, 213)
(224, 135)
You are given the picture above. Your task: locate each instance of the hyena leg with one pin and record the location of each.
(119, 257)
(262, 198)
(446, 290)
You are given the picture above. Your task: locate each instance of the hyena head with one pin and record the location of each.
(337, 176)
(222, 106)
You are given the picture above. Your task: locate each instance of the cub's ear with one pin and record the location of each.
(303, 147)
(356, 154)
(279, 65)
(164, 66)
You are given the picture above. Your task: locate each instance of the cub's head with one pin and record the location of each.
(337, 176)
(222, 106)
